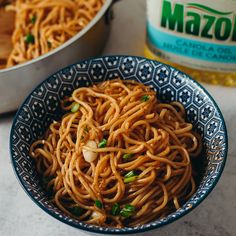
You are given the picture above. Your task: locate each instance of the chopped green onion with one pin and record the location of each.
(130, 179)
(115, 210)
(98, 204)
(33, 19)
(76, 210)
(49, 44)
(127, 211)
(130, 174)
(29, 38)
(86, 129)
(103, 143)
(127, 156)
(75, 107)
(145, 98)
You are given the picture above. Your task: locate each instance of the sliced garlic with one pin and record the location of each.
(90, 156)
(96, 214)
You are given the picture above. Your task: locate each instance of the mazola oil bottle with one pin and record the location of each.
(198, 37)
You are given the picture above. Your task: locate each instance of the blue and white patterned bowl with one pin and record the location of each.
(42, 106)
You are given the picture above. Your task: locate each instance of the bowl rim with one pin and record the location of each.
(128, 230)
(96, 18)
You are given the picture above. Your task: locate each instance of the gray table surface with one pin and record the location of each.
(215, 216)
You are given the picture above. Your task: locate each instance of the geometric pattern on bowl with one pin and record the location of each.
(42, 106)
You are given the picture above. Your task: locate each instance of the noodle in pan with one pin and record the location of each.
(118, 157)
(42, 25)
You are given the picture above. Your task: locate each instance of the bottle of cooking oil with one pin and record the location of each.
(196, 36)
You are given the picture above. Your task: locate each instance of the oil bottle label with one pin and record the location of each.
(197, 34)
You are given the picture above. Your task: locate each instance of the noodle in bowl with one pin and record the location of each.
(118, 159)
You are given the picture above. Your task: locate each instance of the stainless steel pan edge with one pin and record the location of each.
(16, 82)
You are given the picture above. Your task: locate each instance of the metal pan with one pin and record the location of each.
(16, 82)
